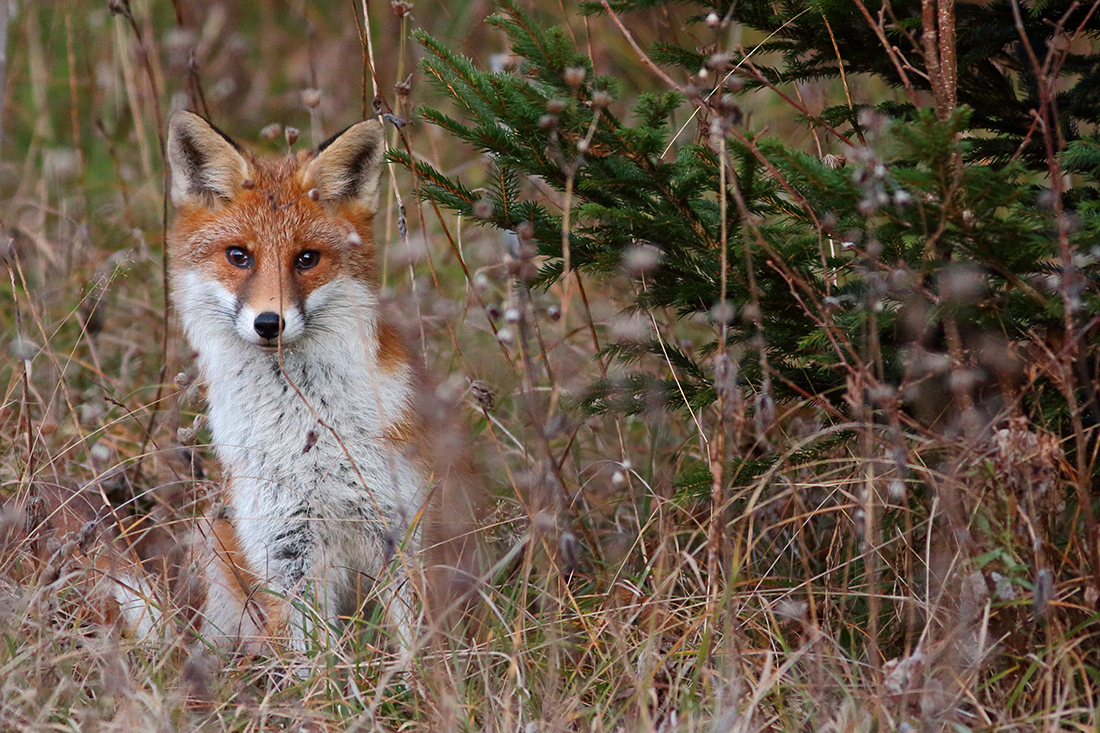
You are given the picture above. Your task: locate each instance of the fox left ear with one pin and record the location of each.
(207, 167)
(348, 166)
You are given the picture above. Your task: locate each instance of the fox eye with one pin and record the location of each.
(307, 260)
(238, 257)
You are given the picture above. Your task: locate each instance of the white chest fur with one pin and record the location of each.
(317, 482)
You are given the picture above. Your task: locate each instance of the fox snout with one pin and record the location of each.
(268, 325)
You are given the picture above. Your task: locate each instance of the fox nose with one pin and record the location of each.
(268, 324)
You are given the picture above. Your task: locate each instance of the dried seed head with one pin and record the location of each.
(483, 209)
(548, 122)
(631, 328)
(354, 240)
(571, 550)
(100, 453)
(311, 98)
(271, 132)
(525, 233)
(792, 610)
(713, 21)
(183, 380)
(733, 84)
(764, 414)
(186, 436)
(511, 315)
(751, 313)
(600, 100)
(23, 349)
(555, 106)
(505, 335)
(292, 134)
(729, 109)
(401, 8)
(725, 379)
(87, 535)
(719, 62)
(314, 194)
(553, 312)
(524, 270)
(642, 259)
(403, 88)
(574, 76)
(482, 393)
(723, 312)
(871, 120)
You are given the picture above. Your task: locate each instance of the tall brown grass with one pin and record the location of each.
(830, 593)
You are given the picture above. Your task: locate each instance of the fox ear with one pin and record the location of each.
(206, 165)
(349, 165)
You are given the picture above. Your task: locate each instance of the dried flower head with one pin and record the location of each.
(574, 76)
(642, 259)
(271, 132)
(311, 98)
(483, 209)
(482, 393)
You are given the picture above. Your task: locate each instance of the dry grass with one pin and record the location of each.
(840, 591)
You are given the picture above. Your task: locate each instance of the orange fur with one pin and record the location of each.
(332, 436)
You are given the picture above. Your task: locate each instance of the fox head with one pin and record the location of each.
(264, 248)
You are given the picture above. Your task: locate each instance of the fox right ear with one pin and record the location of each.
(206, 165)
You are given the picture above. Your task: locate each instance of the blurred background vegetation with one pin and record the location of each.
(775, 321)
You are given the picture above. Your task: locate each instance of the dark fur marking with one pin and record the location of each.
(293, 548)
(197, 162)
(357, 165)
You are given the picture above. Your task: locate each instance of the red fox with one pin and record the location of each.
(319, 412)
